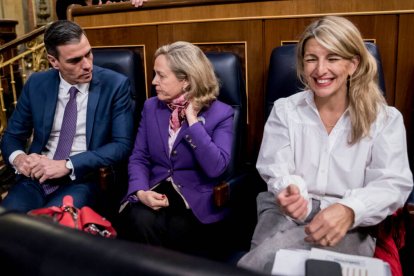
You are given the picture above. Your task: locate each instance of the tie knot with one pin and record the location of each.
(72, 91)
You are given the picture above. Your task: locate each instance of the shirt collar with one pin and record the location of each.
(65, 86)
(309, 99)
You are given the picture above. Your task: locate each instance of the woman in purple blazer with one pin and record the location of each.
(182, 149)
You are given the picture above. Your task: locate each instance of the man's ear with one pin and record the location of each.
(53, 61)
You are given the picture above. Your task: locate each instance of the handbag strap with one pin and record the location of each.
(84, 219)
(67, 201)
(87, 215)
(66, 214)
(46, 211)
(95, 224)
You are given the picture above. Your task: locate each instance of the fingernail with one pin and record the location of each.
(163, 196)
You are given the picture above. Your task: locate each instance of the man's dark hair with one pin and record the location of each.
(59, 33)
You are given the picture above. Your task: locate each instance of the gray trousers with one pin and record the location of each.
(274, 231)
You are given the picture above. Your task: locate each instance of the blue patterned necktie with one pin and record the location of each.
(67, 133)
(68, 129)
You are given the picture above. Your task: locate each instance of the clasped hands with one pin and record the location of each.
(40, 167)
(327, 228)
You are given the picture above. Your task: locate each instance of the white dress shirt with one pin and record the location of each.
(171, 140)
(372, 177)
(79, 141)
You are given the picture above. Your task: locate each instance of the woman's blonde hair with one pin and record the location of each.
(339, 36)
(189, 63)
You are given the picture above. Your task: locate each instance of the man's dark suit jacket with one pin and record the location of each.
(109, 119)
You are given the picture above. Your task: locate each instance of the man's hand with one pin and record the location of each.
(330, 225)
(49, 169)
(24, 163)
(153, 199)
(292, 202)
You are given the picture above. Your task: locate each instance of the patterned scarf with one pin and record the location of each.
(178, 106)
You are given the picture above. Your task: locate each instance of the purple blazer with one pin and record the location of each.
(199, 157)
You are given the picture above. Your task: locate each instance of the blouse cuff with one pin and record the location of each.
(278, 186)
(298, 181)
(357, 206)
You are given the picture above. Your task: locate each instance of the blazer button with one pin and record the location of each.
(174, 153)
(169, 171)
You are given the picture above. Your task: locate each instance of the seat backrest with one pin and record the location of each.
(232, 92)
(282, 80)
(114, 180)
(128, 63)
(53, 249)
(228, 70)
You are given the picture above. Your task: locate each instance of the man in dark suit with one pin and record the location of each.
(97, 133)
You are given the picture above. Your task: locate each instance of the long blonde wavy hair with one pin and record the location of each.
(189, 63)
(341, 37)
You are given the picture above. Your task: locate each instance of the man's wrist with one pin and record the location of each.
(16, 161)
(69, 166)
(14, 157)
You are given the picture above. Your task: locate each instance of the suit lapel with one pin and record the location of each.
(162, 118)
(184, 129)
(51, 98)
(163, 126)
(93, 99)
(181, 134)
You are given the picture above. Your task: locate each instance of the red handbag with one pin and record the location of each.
(84, 219)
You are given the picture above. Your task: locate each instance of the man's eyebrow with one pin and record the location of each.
(74, 60)
(77, 59)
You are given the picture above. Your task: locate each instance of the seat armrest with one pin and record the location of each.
(223, 191)
(106, 178)
(221, 194)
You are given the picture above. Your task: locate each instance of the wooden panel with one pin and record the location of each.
(235, 32)
(404, 100)
(156, 11)
(405, 65)
(145, 37)
(381, 28)
(14, 10)
(7, 31)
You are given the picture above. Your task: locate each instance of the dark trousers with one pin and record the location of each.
(27, 194)
(173, 227)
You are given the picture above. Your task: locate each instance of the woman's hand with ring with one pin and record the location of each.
(334, 221)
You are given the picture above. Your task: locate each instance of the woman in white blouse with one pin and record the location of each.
(334, 156)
